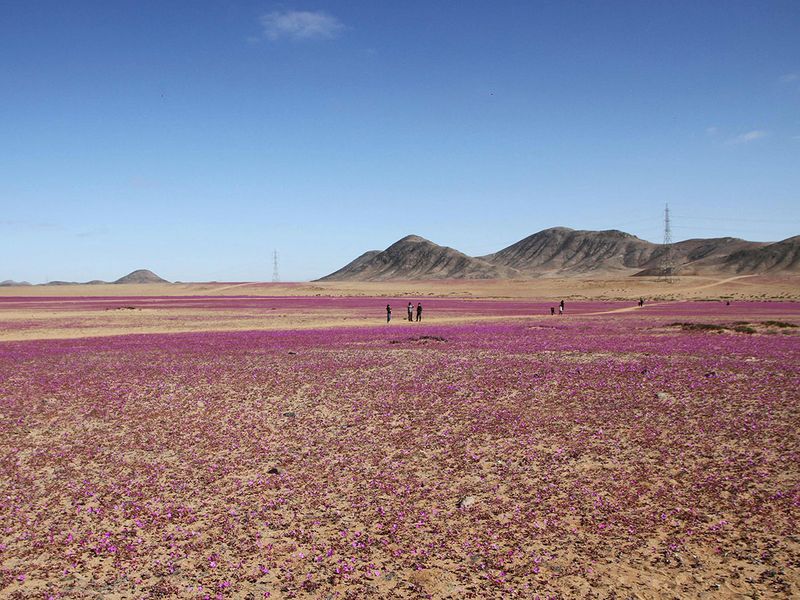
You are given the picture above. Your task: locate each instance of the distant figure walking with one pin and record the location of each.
(641, 302)
(388, 313)
(561, 307)
(552, 310)
(419, 312)
(410, 311)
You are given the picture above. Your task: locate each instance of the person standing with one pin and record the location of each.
(410, 312)
(388, 313)
(419, 312)
(552, 310)
(561, 307)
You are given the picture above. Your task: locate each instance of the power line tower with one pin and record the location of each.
(275, 276)
(667, 258)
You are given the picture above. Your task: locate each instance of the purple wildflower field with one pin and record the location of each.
(65, 317)
(302, 304)
(612, 455)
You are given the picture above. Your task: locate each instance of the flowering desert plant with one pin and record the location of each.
(504, 459)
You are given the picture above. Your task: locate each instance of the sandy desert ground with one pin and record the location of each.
(284, 441)
(743, 287)
(35, 312)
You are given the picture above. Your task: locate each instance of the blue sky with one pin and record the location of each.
(193, 138)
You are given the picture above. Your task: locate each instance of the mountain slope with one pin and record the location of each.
(354, 268)
(141, 276)
(697, 256)
(783, 256)
(566, 251)
(12, 283)
(414, 257)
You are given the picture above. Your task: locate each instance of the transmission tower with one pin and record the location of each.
(667, 260)
(275, 276)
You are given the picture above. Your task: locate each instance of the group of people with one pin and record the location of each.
(409, 309)
(560, 308)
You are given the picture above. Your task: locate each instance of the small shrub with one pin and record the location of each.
(421, 338)
(698, 326)
(743, 329)
(778, 324)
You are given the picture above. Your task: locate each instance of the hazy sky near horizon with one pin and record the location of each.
(193, 138)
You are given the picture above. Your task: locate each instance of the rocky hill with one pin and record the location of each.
(141, 276)
(768, 258)
(354, 268)
(565, 252)
(698, 256)
(12, 283)
(414, 257)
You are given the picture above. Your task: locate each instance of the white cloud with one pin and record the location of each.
(748, 137)
(712, 131)
(300, 25)
(790, 77)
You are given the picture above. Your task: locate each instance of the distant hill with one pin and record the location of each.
(769, 258)
(11, 283)
(565, 252)
(697, 256)
(711, 250)
(414, 257)
(141, 276)
(353, 268)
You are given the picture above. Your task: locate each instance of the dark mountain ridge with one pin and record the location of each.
(138, 276)
(12, 283)
(414, 257)
(141, 276)
(780, 256)
(565, 252)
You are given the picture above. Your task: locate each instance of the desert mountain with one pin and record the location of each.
(353, 268)
(141, 276)
(12, 283)
(565, 252)
(768, 258)
(711, 250)
(414, 257)
(92, 282)
(697, 256)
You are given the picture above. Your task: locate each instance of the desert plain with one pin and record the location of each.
(250, 440)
